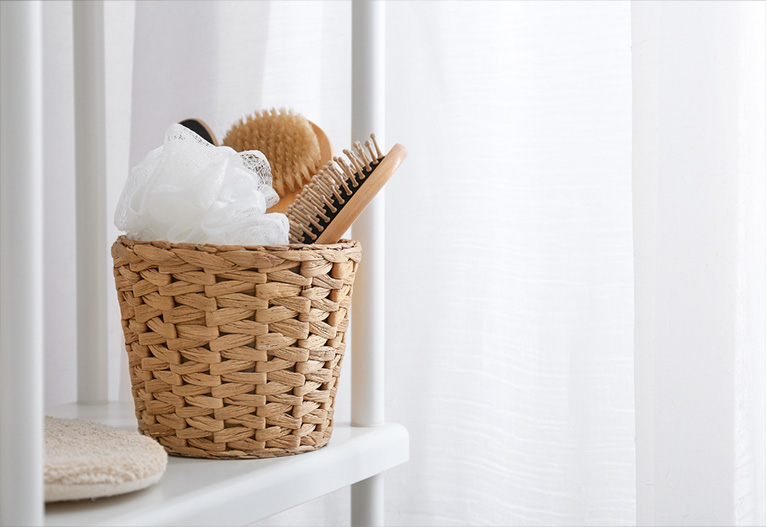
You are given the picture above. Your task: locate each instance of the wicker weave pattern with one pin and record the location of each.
(235, 352)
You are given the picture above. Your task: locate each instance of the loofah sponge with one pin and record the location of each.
(189, 191)
(90, 460)
(287, 140)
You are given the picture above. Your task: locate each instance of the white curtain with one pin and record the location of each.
(575, 244)
(509, 306)
(699, 166)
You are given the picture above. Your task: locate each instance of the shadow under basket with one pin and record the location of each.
(235, 352)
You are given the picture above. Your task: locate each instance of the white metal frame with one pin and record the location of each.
(21, 277)
(367, 335)
(21, 264)
(90, 198)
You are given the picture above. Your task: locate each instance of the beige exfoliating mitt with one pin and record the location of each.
(90, 460)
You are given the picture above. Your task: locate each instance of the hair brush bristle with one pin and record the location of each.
(340, 191)
(288, 142)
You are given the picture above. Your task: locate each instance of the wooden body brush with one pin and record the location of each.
(295, 147)
(340, 191)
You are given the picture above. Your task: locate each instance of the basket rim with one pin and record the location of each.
(342, 244)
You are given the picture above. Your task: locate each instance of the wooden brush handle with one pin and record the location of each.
(363, 195)
(325, 147)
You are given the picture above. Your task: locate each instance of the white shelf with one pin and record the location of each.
(232, 492)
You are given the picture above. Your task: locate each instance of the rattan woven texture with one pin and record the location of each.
(235, 352)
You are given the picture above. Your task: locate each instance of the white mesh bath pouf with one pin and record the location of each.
(90, 460)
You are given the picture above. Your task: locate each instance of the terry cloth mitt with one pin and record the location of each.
(90, 460)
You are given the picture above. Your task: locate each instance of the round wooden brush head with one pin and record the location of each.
(295, 148)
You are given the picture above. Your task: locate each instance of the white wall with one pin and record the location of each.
(59, 233)
(58, 215)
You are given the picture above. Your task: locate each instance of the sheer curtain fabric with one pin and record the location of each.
(575, 244)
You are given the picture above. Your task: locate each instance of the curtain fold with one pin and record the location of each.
(509, 305)
(698, 169)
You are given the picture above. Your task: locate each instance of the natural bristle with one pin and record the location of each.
(288, 142)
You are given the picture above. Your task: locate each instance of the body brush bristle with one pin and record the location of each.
(290, 142)
(340, 191)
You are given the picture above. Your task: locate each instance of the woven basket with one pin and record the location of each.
(235, 352)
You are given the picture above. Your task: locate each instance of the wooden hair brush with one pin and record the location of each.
(295, 147)
(340, 191)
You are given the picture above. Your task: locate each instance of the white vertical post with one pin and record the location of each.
(367, 384)
(367, 501)
(90, 195)
(368, 112)
(21, 271)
